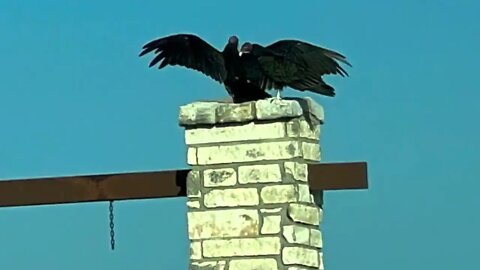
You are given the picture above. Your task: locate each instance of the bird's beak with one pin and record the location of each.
(240, 53)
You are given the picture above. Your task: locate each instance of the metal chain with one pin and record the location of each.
(112, 225)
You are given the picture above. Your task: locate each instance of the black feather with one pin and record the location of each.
(192, 52)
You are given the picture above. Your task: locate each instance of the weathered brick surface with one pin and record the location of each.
(315, 110)
(271, 224)
(248, 152)
(296, 234)
(279, 194)
(304, 213)
(198, 112)
(241, 247)
(302, 129)
(316, 238)
(234, 113)
(201, 113)
(259, 174)
(320, 259)
(250, 206)
(244, 132)
(300, 255)
(267, 110)
(219, 177)
(208, 265)
(193, 184)
(223, 223)
(298, 268)
(195, 250)
(192, 156)
(253, 264)
(296, 170)
(311, 151)
(304, 193)
(271, 210)
(193, 204)
(231, 197)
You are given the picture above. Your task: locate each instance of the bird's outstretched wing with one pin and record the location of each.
(299, 65)
(295, 74)
(276, 69)
(189, 51)
(317, 59)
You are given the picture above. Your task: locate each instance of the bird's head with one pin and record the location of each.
(233, 40)
(247, 47)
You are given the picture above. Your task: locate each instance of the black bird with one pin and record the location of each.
(292, 63)
(192, 52)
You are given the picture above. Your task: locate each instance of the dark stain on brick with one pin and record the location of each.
(291, 149)
(247, 217)
(295, 126)
(219, 177)
(254, 153)
(206, 267)
(193, 183)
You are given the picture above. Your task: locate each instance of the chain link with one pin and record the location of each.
(112, 225)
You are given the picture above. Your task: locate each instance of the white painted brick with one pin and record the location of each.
(271, 225)
(195, 250)
(316, 238)
(320, 259)
(304, 193)
(311, 151)
(297, 170)
(315, 110)
(259, 174)
(192, 156)
(267, 109)
(279, 194)
(219, 177)
(246, 132)
(235, 112)
(300, 255)
(304, 213)
(248, 152)
(194, 184)
(223, 223)
(296, 234)
(253, 264)
(301, 128)
(193, 204)
(241, 247)
(271, 210)
(198, 112)
(208, 265)
(297, 268)
(231, 197)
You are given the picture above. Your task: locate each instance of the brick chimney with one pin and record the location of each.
(249, 204)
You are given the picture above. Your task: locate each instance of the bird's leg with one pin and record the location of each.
(277, 97)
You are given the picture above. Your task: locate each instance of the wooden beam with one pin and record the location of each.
(147, 185)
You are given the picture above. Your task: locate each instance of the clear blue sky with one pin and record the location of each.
(76, 99)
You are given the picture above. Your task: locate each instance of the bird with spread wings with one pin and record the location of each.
(249, 73)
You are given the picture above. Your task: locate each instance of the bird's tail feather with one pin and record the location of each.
(323, 89)
(320, 88)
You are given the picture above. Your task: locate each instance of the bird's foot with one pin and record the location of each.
(276, 98)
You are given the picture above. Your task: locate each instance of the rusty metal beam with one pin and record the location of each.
(337, 176)
(147, 185)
